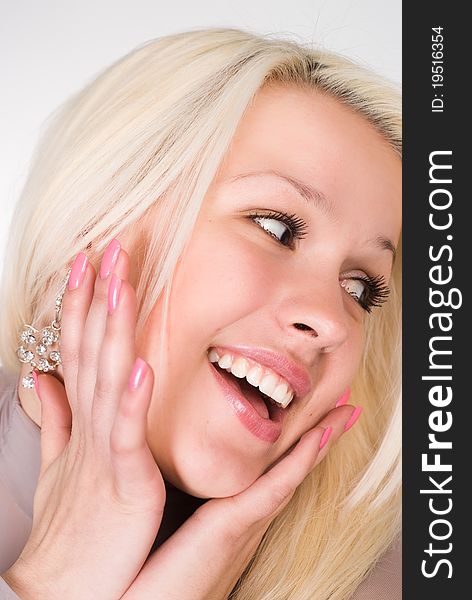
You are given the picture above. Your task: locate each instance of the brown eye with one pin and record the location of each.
(275, 228)
(367, 291)
(354, 287)
(283, 227)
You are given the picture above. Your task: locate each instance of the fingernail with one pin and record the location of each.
(353, 418)
(113, 293)
(109, 258)
(140, 368)
(77, 273)
(325, 437)
(344, 398)
(36, 383)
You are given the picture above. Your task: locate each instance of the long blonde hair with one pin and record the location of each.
(132, 156)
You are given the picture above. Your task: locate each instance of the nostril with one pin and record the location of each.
(304, 327)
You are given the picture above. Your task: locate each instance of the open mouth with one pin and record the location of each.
(265, 406)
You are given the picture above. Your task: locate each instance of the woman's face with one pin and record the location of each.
(288, 308)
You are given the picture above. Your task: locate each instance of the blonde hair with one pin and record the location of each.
(132, 156)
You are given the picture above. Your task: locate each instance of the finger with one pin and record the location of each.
(116, 357)
(75, 305)
(270, 493)
(56, 418)
(134, 466)
(340, 425)
(94, 331)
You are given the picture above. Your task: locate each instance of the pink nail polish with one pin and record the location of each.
(113, 293)
(140, 368)
(344, 398)
(109, 258)
(353, 418)
(77, 273)
(325, 437)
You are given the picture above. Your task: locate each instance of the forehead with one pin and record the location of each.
(312, 137)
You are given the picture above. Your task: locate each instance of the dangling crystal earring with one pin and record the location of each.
(41, 347)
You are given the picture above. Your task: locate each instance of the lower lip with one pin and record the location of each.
(264, 429)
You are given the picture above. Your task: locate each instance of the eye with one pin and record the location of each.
(275, 228)
(367, 291)
(354, 287)
(283, 227)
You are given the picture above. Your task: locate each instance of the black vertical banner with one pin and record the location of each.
(437, 354)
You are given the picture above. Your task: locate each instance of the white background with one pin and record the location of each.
(51, 48)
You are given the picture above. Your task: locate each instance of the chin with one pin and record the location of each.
(209, 478)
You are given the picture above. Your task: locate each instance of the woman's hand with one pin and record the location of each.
(206, 556)
(100, 495)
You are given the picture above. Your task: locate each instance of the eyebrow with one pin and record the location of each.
(315, 198)
(307, 192)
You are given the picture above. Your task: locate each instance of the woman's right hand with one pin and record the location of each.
(100, 495)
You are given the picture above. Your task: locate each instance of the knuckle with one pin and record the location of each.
(283, 491)
(275, 501)
(70, 304)
(87, 355)
(121, 445)
(69, 355)
(100, 293)
(104, 388)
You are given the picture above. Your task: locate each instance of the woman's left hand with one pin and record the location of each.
(206, 556)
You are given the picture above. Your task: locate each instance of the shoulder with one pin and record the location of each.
(20, 444)
(385, 580)
(6, 593)
(8, 397)
(8, 380)
(12, 415)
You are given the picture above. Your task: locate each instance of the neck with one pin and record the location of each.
(178, 508)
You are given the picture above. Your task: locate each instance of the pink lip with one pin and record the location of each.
(297, 376)
(265, 429)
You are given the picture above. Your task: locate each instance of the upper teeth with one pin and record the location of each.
(260, 377)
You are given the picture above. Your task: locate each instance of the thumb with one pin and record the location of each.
(56, 418)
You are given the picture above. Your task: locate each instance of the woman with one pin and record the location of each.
(239, 197)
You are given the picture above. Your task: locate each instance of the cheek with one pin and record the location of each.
(211, 293)
(351, 357)
(218, 281)
(343, 367)
(336, 372)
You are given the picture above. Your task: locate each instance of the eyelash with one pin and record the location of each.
(377, 291)
(297, 226)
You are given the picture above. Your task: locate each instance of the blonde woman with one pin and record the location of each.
(229, 207)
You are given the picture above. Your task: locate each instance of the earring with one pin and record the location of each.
(41, 347)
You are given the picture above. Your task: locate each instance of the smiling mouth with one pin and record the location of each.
(263, 404)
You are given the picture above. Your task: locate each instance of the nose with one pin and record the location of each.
(315, 316)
